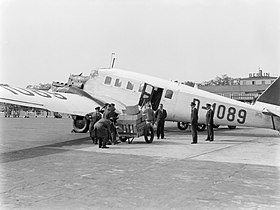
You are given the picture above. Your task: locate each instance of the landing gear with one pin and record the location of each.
(80, 124)
(182, 125)
(201, 127)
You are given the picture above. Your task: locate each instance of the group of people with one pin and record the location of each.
(157, 118)
(103, 130)
(102, 125)
(209, 123)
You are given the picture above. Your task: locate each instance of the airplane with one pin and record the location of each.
(126, 88)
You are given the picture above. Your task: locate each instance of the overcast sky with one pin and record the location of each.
(186, 40)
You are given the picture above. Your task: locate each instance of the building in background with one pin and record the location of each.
(247, 89)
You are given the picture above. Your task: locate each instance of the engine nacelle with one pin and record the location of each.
(80, 124)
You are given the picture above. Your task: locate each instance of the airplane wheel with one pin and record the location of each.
(201, 127)
(123, 139)
(231, 126)
(149, 134)
(216, 126)
(80, 125)
(129, 140)
(182, 125)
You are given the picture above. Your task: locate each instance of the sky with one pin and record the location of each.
(185, 40)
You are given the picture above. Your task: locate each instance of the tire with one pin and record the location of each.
(149, 134)
(123, 139)
(231, 126)
(182, 125)
(80, 125)
(201, 127)
(129, 140)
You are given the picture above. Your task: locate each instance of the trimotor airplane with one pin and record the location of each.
(126, 88)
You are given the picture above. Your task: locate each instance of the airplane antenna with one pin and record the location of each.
(113, 59)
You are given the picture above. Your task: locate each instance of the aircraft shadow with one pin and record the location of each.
(246, 132)
(41, 150)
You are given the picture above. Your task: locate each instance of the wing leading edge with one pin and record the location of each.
(53, 101)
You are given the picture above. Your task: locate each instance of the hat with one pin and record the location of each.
(97, 108)
(208, 104)
(112, 104)
(192, 103)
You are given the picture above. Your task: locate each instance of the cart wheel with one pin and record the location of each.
(123, 139)
(149, 134)
(129, 140)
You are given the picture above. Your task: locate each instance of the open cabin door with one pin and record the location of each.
(150, 94)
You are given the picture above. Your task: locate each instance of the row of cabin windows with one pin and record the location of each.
(130, 86)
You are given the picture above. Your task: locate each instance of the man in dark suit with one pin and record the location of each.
(160, 116)
(194, 122)
(102, 129)
(209, 123)
(93, 118)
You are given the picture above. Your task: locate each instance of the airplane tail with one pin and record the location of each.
(272, 94)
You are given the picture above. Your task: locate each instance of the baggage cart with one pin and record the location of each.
(130, 126)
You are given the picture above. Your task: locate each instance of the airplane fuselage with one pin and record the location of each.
(126, 88)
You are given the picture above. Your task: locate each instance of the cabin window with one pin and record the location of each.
(168, 94)
(118, 83)
(129, 86)
(108, 80)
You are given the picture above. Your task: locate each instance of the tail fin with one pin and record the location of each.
(272, 94)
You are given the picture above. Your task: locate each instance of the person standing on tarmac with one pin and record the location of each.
(149, 113)
(194, 122)
(112, 115)
(102, 129)
(209, 123)
(93, 118)
(105, 110)
(160, 116)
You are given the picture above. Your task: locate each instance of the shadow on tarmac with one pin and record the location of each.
(239, 131)
(40, 151)
(64, 146)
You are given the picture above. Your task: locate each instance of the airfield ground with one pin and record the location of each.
(45, 166)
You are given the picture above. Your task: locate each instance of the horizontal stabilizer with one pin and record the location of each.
(270, 113)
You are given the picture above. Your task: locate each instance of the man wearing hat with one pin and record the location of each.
(209, 123)
(94, 117)
(194, 122)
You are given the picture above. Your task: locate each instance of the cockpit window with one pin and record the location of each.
(129, 86)
(118, 83)
(108, 80)
(168, 94)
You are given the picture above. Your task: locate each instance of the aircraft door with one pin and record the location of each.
(150, 94)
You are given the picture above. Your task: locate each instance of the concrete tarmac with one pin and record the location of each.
(45, 166)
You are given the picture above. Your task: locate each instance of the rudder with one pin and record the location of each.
(272, 94)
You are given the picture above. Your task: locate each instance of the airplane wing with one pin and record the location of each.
(53, 101)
